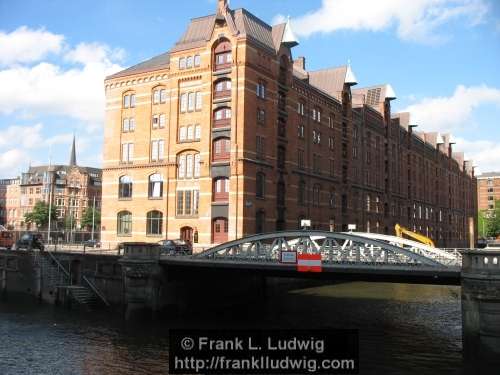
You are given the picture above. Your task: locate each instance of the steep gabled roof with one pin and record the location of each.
(156, 63)
(329, 80)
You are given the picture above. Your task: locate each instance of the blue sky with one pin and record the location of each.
(442, 57)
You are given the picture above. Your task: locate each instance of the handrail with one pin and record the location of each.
(96, 291)
(87, 281)
(59, 265)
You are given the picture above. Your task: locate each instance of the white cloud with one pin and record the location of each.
(415, 20)
(24, 45)
(92, 53)
(47, 88)
(484, 154)
(25, 136)
(447, 114)
(12, 160)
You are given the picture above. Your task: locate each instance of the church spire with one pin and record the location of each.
(72, 158)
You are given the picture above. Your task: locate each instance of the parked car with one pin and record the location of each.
(175, 247)
(92, 243)
(493, 246)
(29, 241)
(6, 239)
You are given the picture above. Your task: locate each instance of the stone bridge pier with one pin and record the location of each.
(481, 310)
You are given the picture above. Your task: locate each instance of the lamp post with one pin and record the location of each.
(93, 219)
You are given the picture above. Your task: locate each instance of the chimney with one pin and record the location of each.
(221, 6)
(300, 62)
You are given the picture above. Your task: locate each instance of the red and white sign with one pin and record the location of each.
(309, 262)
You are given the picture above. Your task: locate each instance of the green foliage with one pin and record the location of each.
(40, 215)
(489, 222)
(87, 218)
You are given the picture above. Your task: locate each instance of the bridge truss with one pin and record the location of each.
(335, 248)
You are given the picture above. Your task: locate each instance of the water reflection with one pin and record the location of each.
(404, 329)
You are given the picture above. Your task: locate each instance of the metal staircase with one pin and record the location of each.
(59, 278)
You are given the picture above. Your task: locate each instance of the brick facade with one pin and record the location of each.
(230, 136)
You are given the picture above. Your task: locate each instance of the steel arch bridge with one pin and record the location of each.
(336, 249)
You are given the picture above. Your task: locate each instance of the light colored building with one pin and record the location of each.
(71, 188)
(227, 135)
(488, 190)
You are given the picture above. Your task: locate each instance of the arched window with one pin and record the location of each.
(154, 223)
(260, 185)
(129, 100)
(221, 149)
(159, 95)
(260, 221)
(125, 187)
(124, 223)
(222, 88)
(223, 57)
(302, 192)
(222, 117)
(188, 165)
(221, 189)
(155, 186)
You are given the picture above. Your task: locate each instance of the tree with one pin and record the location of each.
(489, 222)
(87, 218)
(40, 215)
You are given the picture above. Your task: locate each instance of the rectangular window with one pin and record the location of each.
(301, 131)
(187, 202)
(182, 134)
(196, 165)
(196, 201)
(197, 132)
(300, 159)
(191, 101)
(260, 146)
(154, 150)
(132, 124)
(182, 63)
(197, 60)
(163, 96)
(180, 203)
(161, 149)
(132, 101)
(127, 152)
(162, 121)
(126, 101)
(126, 125)
(261, 90)
(261, 116)
(156, 97)
(190, 132)
(182, 166)
(331, 143)
(189, 166)
(199, 101)
(184, 102)
(156, 121)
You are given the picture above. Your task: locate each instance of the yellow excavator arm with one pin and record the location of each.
(416, 236)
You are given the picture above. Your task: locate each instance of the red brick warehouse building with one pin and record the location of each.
(228, 135)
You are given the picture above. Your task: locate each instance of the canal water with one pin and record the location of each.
(404, 329)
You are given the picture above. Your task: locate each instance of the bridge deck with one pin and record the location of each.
(356, 272)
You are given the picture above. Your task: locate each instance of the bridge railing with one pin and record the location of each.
(343, 248)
